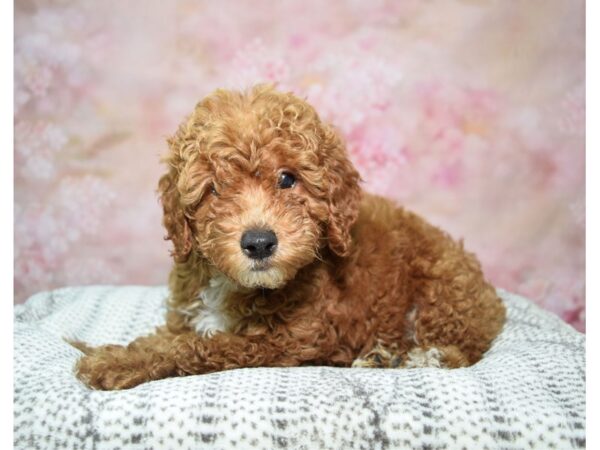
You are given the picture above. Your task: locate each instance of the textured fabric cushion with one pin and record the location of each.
(528, 391)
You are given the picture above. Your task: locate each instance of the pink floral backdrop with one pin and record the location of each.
(469, 112)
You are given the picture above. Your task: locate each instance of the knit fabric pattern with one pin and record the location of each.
(527, 392)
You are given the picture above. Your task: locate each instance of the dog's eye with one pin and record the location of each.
(213, 190)
(286, 180)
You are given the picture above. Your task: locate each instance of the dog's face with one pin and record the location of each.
(258, 186)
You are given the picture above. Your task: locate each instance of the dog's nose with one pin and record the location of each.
(258, 244)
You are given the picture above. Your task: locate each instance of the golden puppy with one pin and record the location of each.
(282, 260)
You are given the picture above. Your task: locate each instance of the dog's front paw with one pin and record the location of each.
(110, 368)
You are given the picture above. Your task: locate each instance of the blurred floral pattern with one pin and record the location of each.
(471, 113)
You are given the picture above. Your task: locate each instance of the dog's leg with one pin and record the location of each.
(164, 355)
(120, 367)
(458, 313)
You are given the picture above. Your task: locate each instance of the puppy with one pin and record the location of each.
(281, 260)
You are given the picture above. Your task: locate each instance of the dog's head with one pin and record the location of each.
(257, 187)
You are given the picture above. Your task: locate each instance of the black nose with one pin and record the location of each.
(258, 244)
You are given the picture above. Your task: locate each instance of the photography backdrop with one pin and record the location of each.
(469, 112)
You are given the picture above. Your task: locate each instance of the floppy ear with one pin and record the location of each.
(175, 221)
(342, 190)
(190, 272)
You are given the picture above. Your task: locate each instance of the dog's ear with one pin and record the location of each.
(175, 221)
(342, 190)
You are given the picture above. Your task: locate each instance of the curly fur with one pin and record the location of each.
(354, 279)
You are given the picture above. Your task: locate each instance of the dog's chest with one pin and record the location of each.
(211, 316)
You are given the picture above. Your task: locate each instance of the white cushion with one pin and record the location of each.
(528, 391)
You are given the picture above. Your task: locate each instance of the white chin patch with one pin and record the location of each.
(271, 278)
(419, 358)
